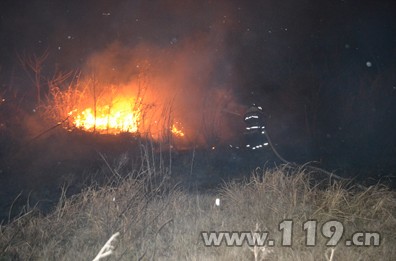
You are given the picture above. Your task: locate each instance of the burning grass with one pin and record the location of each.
(158, 222)
(106, 108)
(114, 118)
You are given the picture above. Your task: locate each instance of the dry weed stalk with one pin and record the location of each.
(107, 249)
(329, 255)
(259, 252)
(34, 63)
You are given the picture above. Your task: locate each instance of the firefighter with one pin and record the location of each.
(255, 132)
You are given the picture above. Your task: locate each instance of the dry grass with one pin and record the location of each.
(155, 222)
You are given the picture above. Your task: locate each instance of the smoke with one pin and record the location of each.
(191, 73)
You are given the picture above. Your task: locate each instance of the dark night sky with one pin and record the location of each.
(324, 71)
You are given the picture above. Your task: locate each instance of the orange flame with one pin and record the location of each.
(110, 109)
(121, 116)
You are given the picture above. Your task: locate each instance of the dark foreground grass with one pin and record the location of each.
(157, 222)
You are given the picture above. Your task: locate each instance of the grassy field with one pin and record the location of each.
(155, 220)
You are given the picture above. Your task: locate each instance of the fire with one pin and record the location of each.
(121, 116)
(177, 131)
(124, 114)
(110, 109)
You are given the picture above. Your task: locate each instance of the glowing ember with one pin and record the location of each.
(119, 117)
(177, 131)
